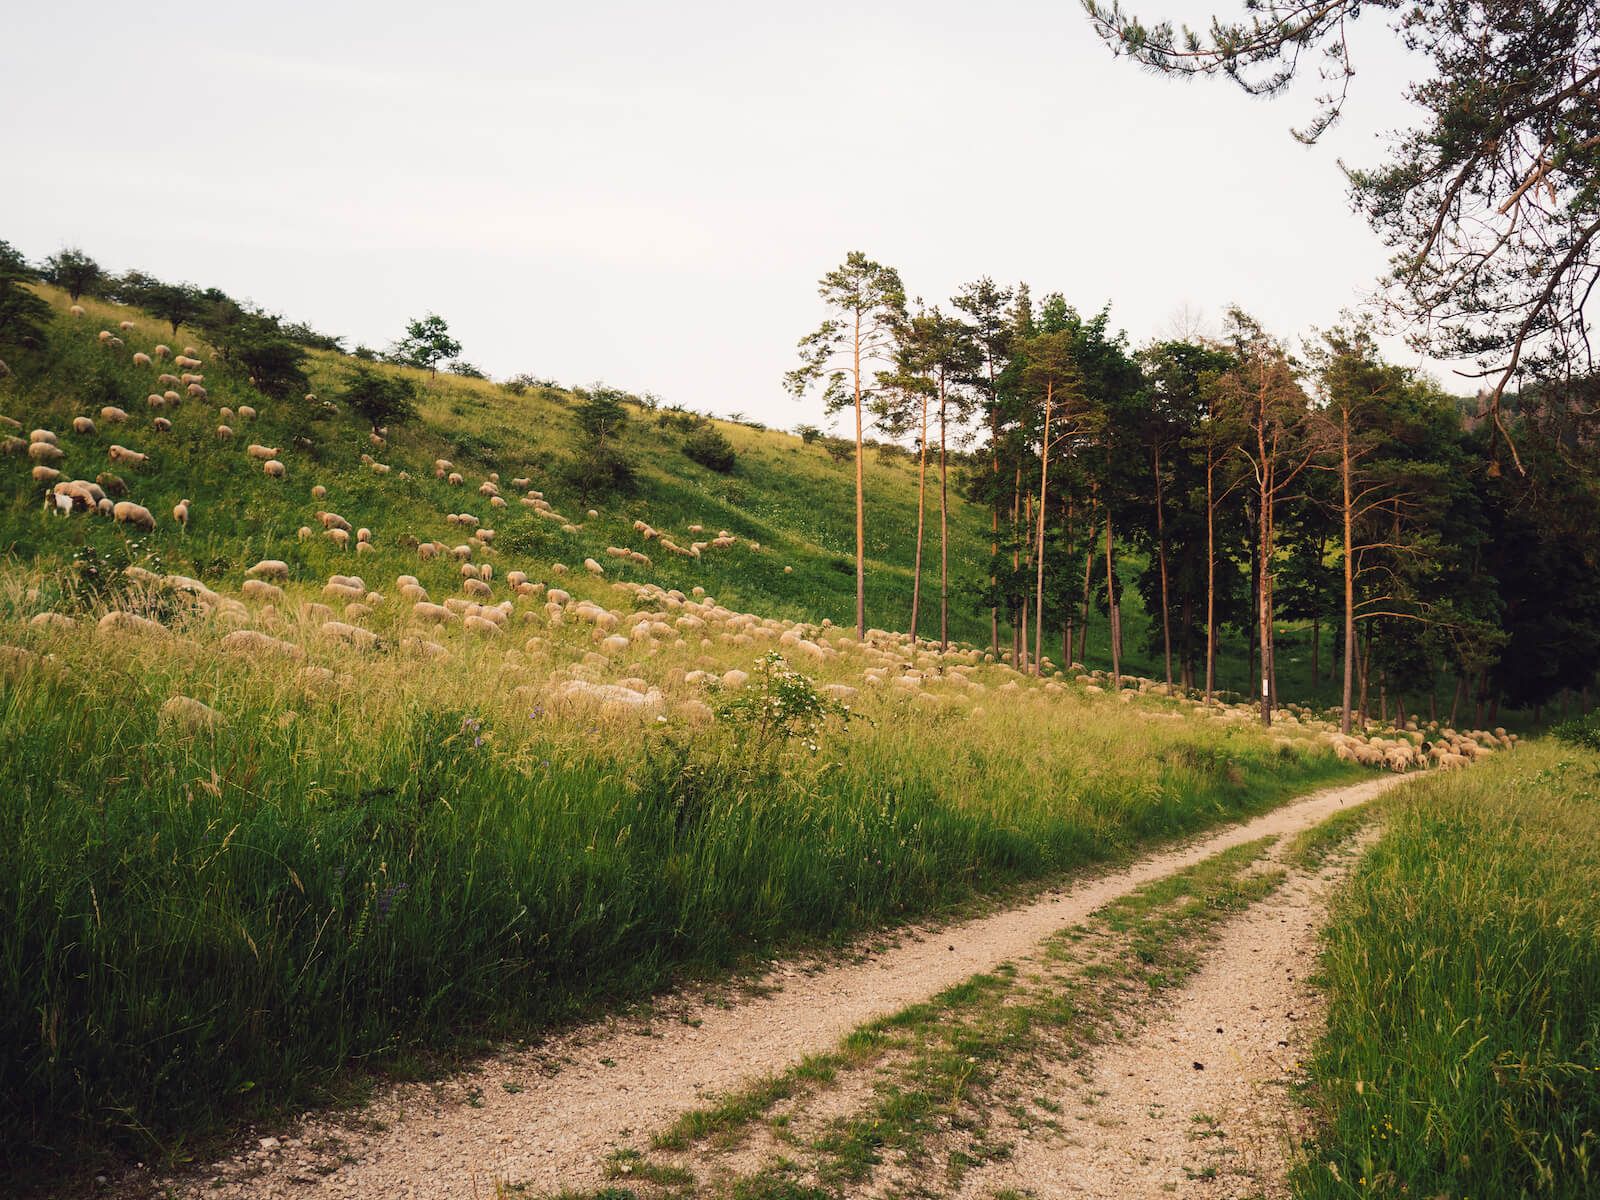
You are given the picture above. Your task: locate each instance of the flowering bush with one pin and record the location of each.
(780, 706)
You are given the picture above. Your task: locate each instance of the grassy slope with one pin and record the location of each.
(792, 498)
(1462, 1057)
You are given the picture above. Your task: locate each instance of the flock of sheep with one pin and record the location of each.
(592, 654)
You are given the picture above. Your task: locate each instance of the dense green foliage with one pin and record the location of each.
(1462, 1056)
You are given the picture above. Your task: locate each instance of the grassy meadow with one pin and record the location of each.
(1462, 1057)
(204, 921)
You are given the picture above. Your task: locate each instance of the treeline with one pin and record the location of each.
(1253, 486)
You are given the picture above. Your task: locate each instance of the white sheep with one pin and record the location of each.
(82, 425)
(162, 351)
(171, 397)
(113, 416)
(161, 425)
(246, 412)
(45, 452)
(476, 587)
(260, 589)
(318, 492)
(257, 451)
(274, 469)
(141, 359)
(121, 454)
(455, 479)
(180, 513)
(223, 433)
(118, 621)
(269, 568)
(76, 310)
(338, 537)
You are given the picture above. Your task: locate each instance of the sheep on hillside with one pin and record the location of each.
(128, 513)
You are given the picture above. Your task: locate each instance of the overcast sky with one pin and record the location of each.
(647, 193)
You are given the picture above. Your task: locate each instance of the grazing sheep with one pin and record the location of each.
(113, 416)
(118, 621)
(126, 326)
(171, 397)
(167, 381)
(476, 587)
(42, 435)
(455, 479)
(269, 568)
(163, 351)
(76, 310)
(363, 535)
(248, 641)
(246, 412)
(121, 454)
(82, 425)
(260, 589)
(361, 639)
(155, 400)
(318, 492)
(188, 714)
(42, 474)
(126, 512)
(13, 445)
(462, 553)
(593, 567)
(274, 469)
(257, 451)
(332, 520)
(426, 550)
(223, 433)
(180, 513)
(196, 392)
(161, 425)
(45, 452)
(338, 537)
(52, 620)
(141, 359)
(424, 610)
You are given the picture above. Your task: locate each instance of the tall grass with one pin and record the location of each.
(198, 927)
(1462, 1057)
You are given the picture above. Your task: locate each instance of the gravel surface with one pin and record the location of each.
(548, 1117)
(1197, 1101)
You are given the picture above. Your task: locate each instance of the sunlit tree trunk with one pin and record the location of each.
(922, 490)
(1044, 493)
(1161, 551)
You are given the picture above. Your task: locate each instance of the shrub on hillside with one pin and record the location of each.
(1580, 731)
(380, 399)
(706, 446)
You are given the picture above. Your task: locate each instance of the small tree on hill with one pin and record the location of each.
(381, 399)
(73, 270)
(174, 303)
(706, 446)
(258, 345)
(427, 343)
(600, 416)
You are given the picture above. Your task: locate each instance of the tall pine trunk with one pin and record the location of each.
(1044, 492)
(922, 490)
(1161, 550)
(861, 497)
(1111, 605)
(1349, 577)
(944, 526)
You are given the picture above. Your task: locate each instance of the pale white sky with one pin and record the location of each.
(647, 193)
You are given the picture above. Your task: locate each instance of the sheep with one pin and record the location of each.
(162, 351)
(248, 641)
(269, 568)
(141, 359)
(188, 714)
(13, 445)
(76, 310)
(361, 639)
(593, 567)
(274, 469)
(52, 620)
(104, 336)
(45, 452)
(117, 621)
(559, 597)
(155, 400)
(121, 454)
(196, 392)
(484, 535)
(126, 326)
(224, 433)
(180, 513)
(171, 397)
(479, 624)
(424, 610)
(126, 512)
(82, 425)
(340, 588)
(112, 485)
(161, 425)
(43, 474)
(257, 451)
(476, 587)
(43, 435)
(352, 581)
(260, 589)
(332, 520)
(455, 479)
(462, 553)
(79, 493)
(112, 415)
(246, 412)
(594, 514)
(363, 535)
(338, 537)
